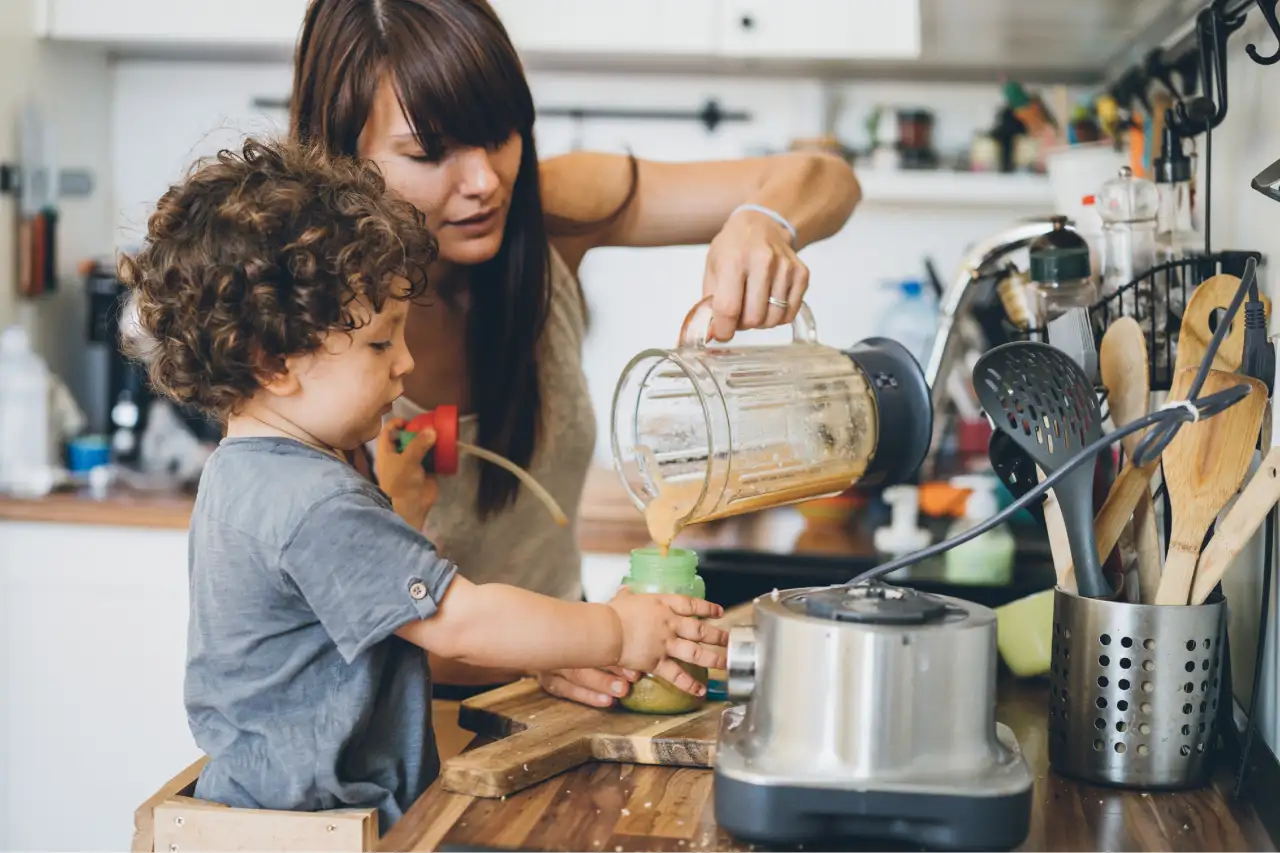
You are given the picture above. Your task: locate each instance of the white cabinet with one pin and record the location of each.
(821, 29)
(172, 23)
(638, 29)
(93, 639)
(647, 28)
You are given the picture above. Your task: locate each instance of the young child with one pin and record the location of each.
(272, 292)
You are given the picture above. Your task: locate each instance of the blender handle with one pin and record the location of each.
(696, 331)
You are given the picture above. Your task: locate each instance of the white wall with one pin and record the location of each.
(69, 86)
(167, 113)
(1245, 143)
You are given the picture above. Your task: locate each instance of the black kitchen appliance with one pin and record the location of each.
(119, 394)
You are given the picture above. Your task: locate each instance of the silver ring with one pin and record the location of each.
(779, 303)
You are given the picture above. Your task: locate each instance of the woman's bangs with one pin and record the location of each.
(457, 82)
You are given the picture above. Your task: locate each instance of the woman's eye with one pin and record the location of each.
(381, 346)
(424, 158)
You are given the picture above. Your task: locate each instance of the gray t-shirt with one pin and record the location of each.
(296, 687)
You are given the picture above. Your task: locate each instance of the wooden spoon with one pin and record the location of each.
(1123, 357)
(1059, 542)
(1129, 487)
(1238, 526)
(1204, 465)
(1194, 334)
(1110, 521)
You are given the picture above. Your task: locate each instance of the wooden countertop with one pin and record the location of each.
(607, 522)
(614, 807)
(120, 508)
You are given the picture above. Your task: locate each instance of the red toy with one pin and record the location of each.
(443, 458)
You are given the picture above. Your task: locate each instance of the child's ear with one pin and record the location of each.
(278, 376)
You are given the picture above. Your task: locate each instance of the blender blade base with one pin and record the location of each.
(790, 815)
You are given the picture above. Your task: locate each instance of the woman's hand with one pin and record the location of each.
(401, 475)
(595, 687)
(749, 262)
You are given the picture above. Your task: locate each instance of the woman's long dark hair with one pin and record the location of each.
(460, 81)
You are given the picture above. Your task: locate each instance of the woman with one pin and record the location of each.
(433, 91)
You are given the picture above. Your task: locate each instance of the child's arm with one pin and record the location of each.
(500, 625)
(367, 574)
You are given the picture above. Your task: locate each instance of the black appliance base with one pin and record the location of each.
(779, 815)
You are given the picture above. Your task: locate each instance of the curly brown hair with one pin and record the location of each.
(255, 257)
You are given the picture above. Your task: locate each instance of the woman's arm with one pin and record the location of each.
(680, 204)
(454, 672)
(752, 271)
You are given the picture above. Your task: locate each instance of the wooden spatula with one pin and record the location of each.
(1238, 526)
(1204, 465)
(1110, 521)
(1194, 334)
(1059, 542)
(1123, 357)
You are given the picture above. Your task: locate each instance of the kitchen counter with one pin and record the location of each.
(607, 523)
(614, 807)
(121, 507)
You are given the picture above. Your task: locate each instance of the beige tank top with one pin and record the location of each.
(522, 545)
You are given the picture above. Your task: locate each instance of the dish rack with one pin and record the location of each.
(1156, 300)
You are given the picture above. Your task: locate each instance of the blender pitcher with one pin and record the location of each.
(719, 431)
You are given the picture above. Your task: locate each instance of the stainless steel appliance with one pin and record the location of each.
(869, 714)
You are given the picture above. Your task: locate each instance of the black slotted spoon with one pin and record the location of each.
(1015, 469)
(1039, 397)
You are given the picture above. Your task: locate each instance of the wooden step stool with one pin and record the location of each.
(174, 821)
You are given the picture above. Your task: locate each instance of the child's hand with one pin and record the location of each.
(658, 630)
(401, 476)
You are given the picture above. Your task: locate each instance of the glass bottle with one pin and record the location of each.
(1175, 234)
(1128, 206)
(676, 574)
(1176, 239)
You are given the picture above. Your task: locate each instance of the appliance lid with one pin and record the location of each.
(875, 603)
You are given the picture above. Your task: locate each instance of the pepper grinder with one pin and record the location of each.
(1061, 270)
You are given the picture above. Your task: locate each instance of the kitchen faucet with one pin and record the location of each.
(959, 334)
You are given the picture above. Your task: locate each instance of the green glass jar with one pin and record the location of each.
(677, 574)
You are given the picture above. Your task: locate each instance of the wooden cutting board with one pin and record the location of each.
(541, 736)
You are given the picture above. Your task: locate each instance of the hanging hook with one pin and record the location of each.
(1268, 9)
(1207, 111)
(1156, 66)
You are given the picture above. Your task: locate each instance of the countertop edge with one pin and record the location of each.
(170, 512)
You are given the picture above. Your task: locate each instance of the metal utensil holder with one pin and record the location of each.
(1134, 691)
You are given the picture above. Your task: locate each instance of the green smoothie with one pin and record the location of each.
(676, 573)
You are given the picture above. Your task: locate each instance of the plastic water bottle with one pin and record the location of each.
(912, 320)
(26, 464)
